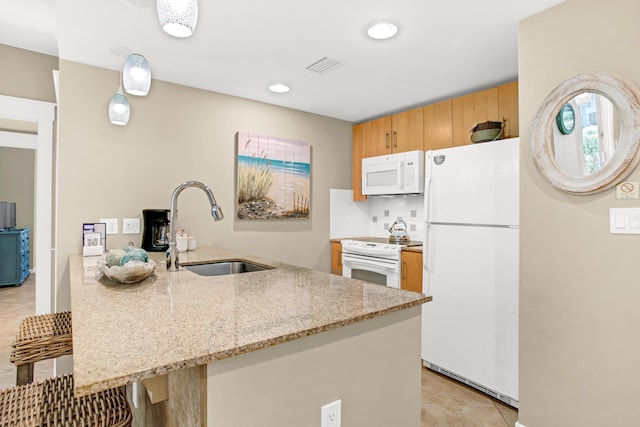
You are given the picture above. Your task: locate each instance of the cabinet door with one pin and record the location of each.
(468, 110)
(359, 138)
(411, 271)
(438, 125)
(9, 258)
(508, 108)
(406, 131)
(378, 137)
(336, 258)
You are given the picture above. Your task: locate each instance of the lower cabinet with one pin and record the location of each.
(14, 256)
(336, 258)
(411, 270)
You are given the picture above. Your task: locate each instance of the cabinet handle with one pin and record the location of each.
(395, 139)
(386, 140)
(340, 258)
(404, 270)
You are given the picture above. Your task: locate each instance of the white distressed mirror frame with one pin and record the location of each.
(625, 97)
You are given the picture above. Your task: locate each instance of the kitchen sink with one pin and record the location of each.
(221, 268)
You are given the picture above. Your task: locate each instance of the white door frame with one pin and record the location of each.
(43, 113)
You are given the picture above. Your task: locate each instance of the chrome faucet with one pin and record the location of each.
(216, 212)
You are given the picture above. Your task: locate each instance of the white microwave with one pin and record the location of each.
(399, 173)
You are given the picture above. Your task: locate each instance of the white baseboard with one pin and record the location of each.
(519, 425)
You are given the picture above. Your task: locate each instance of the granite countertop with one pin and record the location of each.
(174, 320)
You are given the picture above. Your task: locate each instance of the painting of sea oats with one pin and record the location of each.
(273, 177)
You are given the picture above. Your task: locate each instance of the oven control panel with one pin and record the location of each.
(381, 250)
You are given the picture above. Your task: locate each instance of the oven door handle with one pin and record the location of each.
(389, 265)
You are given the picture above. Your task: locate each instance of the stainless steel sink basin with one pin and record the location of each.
(225, 267)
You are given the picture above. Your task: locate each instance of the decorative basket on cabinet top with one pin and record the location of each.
(487, 131)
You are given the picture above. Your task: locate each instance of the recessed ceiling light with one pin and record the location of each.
(382, 30)
(279, 88)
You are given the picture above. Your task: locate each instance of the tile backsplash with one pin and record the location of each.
(375, 215)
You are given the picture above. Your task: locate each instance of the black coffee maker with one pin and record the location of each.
(155, 236)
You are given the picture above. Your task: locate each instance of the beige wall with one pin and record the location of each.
(177, 134)
(579, 292)
(17, 183)
(27, 74)
(23, 74)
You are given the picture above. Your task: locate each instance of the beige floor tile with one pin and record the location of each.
(441, 390)
(509, 414)
(461, 416)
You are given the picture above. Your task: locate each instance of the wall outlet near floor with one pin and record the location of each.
(130, 225)
(112, 225)
(330, 414)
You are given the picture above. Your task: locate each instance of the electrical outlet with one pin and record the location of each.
(130, 225)
(330, 414)
(112, 225)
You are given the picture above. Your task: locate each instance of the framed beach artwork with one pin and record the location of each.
(273, 177)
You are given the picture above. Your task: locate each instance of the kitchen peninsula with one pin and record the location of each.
(260, 348)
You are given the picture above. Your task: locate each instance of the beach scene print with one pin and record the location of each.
(274, 177)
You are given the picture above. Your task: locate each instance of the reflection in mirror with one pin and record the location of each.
(587, 134)
(585, 137)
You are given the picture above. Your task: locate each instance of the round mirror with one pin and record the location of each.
(586, 133)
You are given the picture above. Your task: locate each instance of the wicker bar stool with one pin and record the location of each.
(39, 338)
(51, 403)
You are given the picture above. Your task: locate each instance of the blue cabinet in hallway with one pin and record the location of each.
(14, 256)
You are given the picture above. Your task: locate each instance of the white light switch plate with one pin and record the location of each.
(112, 225)
(130, 225)
(624, 220)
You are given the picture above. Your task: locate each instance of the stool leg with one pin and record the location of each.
(24, 374)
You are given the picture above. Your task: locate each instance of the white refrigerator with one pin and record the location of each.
(470, 257)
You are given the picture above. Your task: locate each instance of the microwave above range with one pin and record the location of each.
(393, 174)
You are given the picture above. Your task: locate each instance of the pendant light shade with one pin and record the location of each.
(178, 17)
(119, 109)
(136, 75)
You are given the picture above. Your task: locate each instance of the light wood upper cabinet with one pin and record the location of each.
(336, 258)
(394, 134)
(359, 137)
(378, 137)
(437, 125)
(508, 108)
(411, 270)
(471, 109)
(407, 131)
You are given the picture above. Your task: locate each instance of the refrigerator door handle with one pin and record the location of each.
(427, 235)
(428, 173)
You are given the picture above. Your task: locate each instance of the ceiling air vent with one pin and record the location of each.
(324, 65)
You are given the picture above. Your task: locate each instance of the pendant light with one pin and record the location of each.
(136, 74)
(178, 18)
(119, 109)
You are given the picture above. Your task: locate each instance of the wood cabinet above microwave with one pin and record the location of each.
(395, 133)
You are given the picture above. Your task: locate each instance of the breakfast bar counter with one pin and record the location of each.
(172, 321)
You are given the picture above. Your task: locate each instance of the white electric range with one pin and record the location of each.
(374, 260)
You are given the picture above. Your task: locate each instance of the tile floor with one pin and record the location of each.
(445, 402)
(16, 303)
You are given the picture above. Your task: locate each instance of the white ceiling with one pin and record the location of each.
(443, 48)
